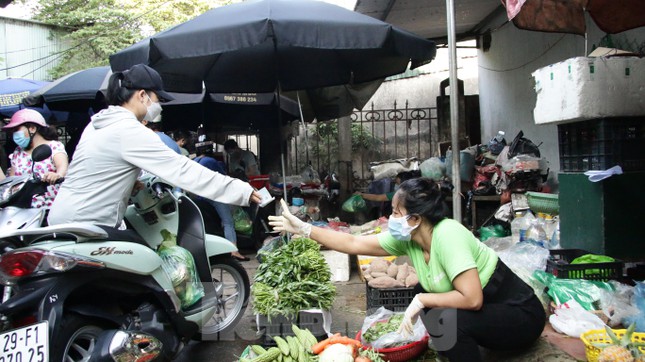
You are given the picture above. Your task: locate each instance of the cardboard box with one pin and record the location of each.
(584, 88)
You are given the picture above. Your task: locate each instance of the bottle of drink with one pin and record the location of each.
(535, 233)
(524, 225)
(554, 241)
(515, 227)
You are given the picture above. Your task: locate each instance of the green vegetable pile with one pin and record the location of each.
(378, 329)
(293, 277)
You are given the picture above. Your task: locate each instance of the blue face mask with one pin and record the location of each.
(21, 140)
(399, 228)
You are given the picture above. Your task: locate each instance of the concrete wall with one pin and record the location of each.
(506, 87)
(422, 90)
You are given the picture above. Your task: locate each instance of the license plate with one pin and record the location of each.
(26, 344)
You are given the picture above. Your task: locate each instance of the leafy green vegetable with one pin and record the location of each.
(378, 329)
(293, 277)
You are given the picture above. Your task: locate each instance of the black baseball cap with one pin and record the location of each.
(141, 76)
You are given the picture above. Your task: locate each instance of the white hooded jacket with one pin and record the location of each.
(113, 149)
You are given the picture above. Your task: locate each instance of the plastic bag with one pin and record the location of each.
(433, 168)
(573, 320)
(390, 339)
(499, 244)
(486, 232)
(269, 245)
(354, 204)
(524, 259)
(242, 220)
(616, 304)
(179, 265)
(585, 292)
(638, 300)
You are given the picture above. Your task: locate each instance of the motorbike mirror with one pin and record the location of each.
(41, 153)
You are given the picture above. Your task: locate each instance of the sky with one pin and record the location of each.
(20, 11)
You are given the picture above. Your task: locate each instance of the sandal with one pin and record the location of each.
(242, 258)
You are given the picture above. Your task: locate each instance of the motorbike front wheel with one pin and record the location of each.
(76, 340)
(233, 288)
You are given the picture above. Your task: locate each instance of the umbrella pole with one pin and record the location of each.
(282, 161)
(302, 119)
(454, 110)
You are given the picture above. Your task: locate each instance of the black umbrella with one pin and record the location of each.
(76, 91)
(277, 45)
(268, 45)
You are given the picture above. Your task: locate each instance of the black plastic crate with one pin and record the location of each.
(394, 299)
(602, 143)
(281, 325)
(559, 264)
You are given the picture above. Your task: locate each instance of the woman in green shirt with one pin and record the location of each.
(493, 307)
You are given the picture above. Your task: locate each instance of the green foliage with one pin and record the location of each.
(362, 139)
(95, 29)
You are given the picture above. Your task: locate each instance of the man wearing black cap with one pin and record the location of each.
(116, 146)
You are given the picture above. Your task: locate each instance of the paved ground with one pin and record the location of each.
(348, 314)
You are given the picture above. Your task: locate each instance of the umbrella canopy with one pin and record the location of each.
(268, 45)
(13, 90)
(568, 16)
(76, 91)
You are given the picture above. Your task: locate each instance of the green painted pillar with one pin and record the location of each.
(603, 217)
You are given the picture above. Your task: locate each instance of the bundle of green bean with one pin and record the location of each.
(291, 278)
(291, 348)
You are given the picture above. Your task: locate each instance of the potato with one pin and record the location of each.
(378, 274)
(379, 265)
(411, 280)
(392, 270)
(411, 270)
(368, 277)
(402, 273)
(384, 282)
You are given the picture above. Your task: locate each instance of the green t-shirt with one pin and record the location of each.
(454, 250)
(390, 195)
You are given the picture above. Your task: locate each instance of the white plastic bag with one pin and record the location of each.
(391, 339)
(573, 320)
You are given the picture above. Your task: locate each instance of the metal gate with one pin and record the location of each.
(377, 135)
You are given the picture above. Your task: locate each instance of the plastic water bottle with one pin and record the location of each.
(554, 241)
(515, 227)
(535, 233)
(525, 222)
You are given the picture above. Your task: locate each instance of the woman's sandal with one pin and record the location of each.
(243, 258)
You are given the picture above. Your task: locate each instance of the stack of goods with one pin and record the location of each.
(381, 273)
(291, 278)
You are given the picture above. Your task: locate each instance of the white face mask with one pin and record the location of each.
(399, 227)
(153, 110)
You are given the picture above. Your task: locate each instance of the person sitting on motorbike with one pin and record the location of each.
(116, 146)
(29, 130)
(204, 151)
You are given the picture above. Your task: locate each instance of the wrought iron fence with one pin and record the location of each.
(377, 135)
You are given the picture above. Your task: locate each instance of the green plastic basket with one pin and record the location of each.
(543, 202)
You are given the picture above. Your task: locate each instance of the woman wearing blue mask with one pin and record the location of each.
(29, 130)
(487, 304)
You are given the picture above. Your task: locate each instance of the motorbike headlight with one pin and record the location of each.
(7, 190)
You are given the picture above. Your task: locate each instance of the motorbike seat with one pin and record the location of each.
(79, 231)
(114, 234)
